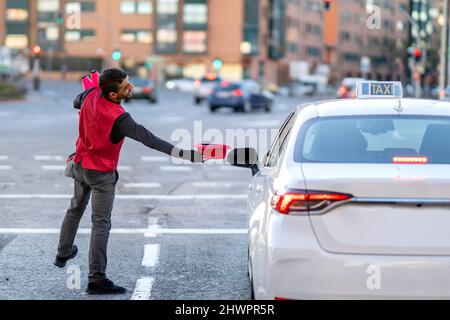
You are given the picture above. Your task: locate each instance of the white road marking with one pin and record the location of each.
(53, 168)
(3, 158)
(151, 255)
(124, 168)
(143, 289)
(152, 224)
(134, 196)
(228, 168)
(5, 167)
(199, 231)
(8, 184)
(48, 158)
(218, 184)
(147, 185)
(176, 169)
(155, 159)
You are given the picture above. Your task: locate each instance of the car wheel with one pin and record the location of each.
(268, 107)
(247, 106)
(197, 100)
(212, 108)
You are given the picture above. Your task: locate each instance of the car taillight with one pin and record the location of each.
(410, 160)
(442, 94)
(238, 93)
(288, 202)
(197, 83)
(147, 90)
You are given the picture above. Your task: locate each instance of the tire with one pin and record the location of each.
(197, 100)
(247, 106)
(213, 108)
(268, 107)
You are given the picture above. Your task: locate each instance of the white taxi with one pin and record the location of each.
(353, 200)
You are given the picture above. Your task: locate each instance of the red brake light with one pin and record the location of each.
(410, 160)
(342, 91)
(197, 83)
(238, 93)
(301, 201)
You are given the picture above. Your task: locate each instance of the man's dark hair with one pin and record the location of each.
(110, 80)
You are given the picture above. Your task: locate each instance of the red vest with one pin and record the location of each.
(95, 150)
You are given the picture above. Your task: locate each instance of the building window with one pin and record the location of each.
(136, 36)
(277, 29)
(167, 6)
(194, 42)
(80, 35)
(250, 45)
(166, 21)
(293, 47)
(313, 52)
(351, 57)
(195, 14)
(16, 41)
(136, 7)
(48, 5)
(16, 14)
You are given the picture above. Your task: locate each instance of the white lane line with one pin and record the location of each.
(155, 159)
(53, 168)
(175, 169)
(5, 167)
(198, 231)
(48, 158)
(143, 289)
(151, 255)
(146, 185)
(152, 224)
(7, 184)
(124, 168)
(218, 184)
(4, 158)
(134, 197)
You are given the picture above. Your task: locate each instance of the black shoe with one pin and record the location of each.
(61, 262)
(104, 287)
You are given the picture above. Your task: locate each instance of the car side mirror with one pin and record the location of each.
(244, 158)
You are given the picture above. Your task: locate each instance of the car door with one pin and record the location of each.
(262, 182)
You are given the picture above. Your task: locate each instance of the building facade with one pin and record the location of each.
(257, 39)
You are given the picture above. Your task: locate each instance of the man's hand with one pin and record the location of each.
(193, 156)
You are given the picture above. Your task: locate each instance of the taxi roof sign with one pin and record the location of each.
(379, 89)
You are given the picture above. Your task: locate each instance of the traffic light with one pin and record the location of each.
(60, 18)
(327, 4)
(418, 54)
(36, 50)
(116, 55)
(217, 64)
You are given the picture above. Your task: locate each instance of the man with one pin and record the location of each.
(103, 125)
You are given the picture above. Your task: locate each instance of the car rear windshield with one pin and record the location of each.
(374, 139)
(227, 88)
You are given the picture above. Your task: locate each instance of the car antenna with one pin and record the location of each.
(399, 108)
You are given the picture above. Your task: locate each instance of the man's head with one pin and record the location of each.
(115, 85)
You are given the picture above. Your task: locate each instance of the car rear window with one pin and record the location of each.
(374, 139)
(227, 88)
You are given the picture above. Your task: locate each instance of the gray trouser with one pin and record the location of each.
(102, 185)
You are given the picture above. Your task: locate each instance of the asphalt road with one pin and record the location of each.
(179, 230)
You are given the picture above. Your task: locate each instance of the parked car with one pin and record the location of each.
(242, 96)
(445, 94)
(182, 84)
(348, 88)
(144, 89)
(204, 87)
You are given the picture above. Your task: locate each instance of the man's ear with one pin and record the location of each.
(112, 95)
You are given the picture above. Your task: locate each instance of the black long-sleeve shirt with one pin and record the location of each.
(125, 126)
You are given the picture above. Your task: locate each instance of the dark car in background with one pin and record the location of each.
(242, 96)
(204, 87)
(144, 89)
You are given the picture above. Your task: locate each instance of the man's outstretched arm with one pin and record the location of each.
(125, 126)
(78, 102)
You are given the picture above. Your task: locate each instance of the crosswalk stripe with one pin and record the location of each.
(151, 255)
(155, 159)
(48, 158)
(6, 167)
